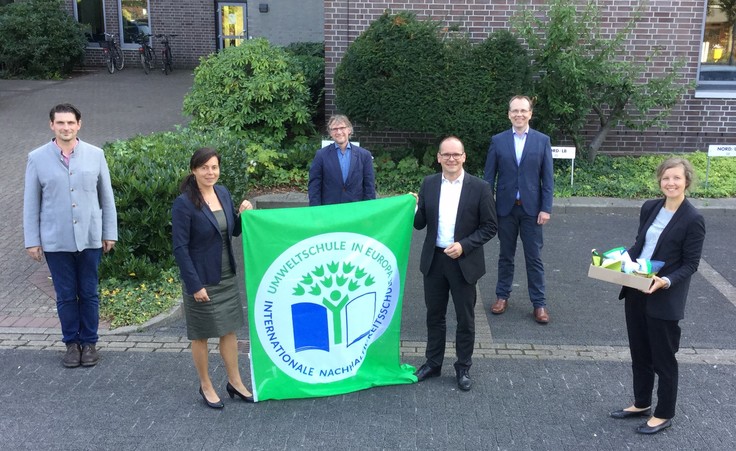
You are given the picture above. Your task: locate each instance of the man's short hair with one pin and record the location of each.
(339, 118)
(65, 108)
(531, 104)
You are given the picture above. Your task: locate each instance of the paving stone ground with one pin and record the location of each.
(535, 387)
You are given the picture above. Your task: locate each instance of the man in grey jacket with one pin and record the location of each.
(69, 216)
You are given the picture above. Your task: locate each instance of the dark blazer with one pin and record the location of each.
(325, 177)
(533, 177)
(197, 240)
(474, 226)
(679, 247)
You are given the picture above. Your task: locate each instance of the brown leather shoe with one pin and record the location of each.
(499, 306)
(541, 315)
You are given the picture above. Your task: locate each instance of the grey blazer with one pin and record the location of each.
(68, 209)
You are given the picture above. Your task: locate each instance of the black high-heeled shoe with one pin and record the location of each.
(232, 392)
(214, 405)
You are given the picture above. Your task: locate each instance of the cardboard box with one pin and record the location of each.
(620, 278)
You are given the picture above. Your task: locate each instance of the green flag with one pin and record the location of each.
(325, 287)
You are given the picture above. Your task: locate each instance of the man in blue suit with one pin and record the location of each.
(341, 172)
(519, 169)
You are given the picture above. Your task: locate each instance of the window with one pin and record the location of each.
(134, 19)
(717, 74)
(92, 14)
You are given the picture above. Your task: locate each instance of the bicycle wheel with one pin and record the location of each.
(144, 63)
(150, 58)
(168, 61)
(108, 61)
(119, 58)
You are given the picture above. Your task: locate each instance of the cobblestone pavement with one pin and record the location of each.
(535, 387)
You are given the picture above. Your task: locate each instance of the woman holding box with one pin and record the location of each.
(670, 230)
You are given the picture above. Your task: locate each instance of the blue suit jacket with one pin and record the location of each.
(197, 240)
(474, 226)
(325, 177)
(679, 247)
(533, 177)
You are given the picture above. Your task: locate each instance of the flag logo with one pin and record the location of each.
(323, 302)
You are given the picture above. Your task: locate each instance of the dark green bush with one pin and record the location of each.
(390, 75)
(146, 172)
(412, 75)
(252, 88)
(309, 57)
(38, 39)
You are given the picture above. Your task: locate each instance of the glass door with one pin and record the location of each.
(232, 26)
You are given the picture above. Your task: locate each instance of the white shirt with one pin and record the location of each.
(449, 200)
(519, 143)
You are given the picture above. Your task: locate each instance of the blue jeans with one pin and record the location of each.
(77, 302)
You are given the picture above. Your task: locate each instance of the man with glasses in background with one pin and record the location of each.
(519, 170)
(459, 213)
(341, 172)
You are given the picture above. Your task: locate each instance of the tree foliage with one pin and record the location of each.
(38, 39)
(581, 72)
(416, 76)
(251, 88)
(145, 173)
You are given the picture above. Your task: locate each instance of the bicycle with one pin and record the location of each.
(114, 57)
(167, 58)
(146, 52)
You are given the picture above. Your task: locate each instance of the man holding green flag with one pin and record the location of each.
(460, 216)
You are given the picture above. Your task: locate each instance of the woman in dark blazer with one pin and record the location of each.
(204, 220)
(670, 230)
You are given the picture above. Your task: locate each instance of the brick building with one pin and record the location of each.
(201, 26)
(675, 28)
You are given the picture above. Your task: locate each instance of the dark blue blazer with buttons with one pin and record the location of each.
(532, 177)
(198, 242)
(325, 177)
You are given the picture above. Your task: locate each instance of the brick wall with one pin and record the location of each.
(287, 21)
(671, 27)
(194, 23)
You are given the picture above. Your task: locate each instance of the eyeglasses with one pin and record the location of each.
(451, 156)
(338, 129)
(517, 112)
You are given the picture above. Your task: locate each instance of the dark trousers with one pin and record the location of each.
(653, 344)
(510, 227)
(444, 278)
(77, 302)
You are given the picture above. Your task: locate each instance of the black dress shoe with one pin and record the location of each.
(233, 392)
(646, 429)
(621, 414)
(426, 371)
(214, 405)
(463, 380)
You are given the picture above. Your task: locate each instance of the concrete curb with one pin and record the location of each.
(601, 205)
(161, 319)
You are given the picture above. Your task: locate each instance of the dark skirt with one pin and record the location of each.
(218, 317)
(223, 313)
